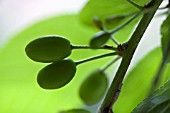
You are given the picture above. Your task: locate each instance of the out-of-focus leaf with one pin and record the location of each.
(113, 20)
(109, 8)
(137, 83)
(159, 102)
(106, 8)
(165, 32)
(20, 92)
(75, 111)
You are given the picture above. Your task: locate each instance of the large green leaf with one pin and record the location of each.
(20, 92)
(106, 8)
(165, 32)
(137, 84)
(158, 102)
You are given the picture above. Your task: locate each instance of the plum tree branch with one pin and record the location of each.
(133, 42)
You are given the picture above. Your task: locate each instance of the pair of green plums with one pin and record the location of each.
(54, 50)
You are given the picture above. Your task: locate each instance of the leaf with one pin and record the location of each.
(108, 8)
(20, 92)
(159, 102)
(75, 111)
(138, 81)
(165, 32)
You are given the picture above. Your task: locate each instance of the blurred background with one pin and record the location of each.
(18, 14)
(19, 91)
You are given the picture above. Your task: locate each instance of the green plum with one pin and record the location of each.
(100, 39)
(57, 74)
(48, 49)
(93, 87)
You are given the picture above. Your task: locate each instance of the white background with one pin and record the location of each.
(17, 14)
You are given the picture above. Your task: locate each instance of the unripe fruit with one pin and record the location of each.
(48, 49)
(98, 23)
(57, 74)
(114, 19)
(99, 39)
(76, 111)
(93, 87)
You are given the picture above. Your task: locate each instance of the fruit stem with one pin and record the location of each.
(109, 19)
(98, 23)
(88, 47)
(110, 63)
(136, 5)
(115, 41)
(127, 22)
(95, 58)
